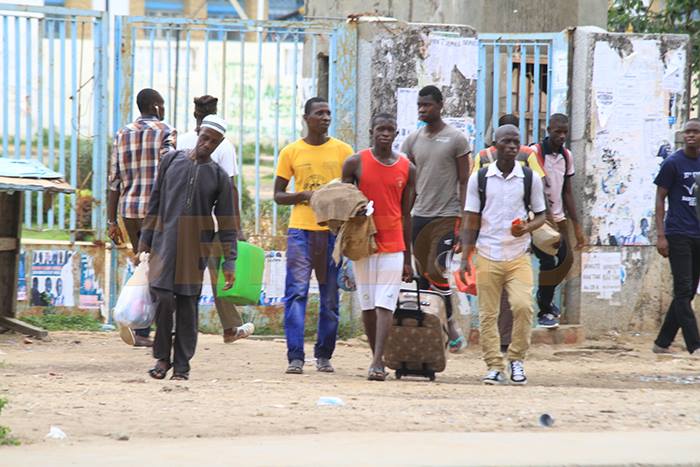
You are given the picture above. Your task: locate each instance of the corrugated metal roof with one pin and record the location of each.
(30, 175)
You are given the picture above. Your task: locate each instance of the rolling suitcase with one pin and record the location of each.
(417, 343)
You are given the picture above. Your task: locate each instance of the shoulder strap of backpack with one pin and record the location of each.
(522, 158)
(527, 196)
(539, 152)
(481, 179)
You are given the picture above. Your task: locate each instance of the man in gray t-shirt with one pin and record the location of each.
(441, 156)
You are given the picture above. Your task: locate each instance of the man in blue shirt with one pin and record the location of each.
(679, 238)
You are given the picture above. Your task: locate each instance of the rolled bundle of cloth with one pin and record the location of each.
(342, 207)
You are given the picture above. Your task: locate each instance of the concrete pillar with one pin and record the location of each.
(251, 9)
(625, 104)
(392, 55)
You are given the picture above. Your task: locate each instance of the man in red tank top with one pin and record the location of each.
(387, 179)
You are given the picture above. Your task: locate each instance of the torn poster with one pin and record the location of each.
(601, 273)
(406, 114)
(273, 278)
(447, 53)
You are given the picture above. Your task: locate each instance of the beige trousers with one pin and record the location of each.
(515, 277)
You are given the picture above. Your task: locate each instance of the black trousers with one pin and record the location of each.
(684, 256)
(430, 247)
(545, 292)
(180, 350)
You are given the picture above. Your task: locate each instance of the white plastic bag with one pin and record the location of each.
(135, 307)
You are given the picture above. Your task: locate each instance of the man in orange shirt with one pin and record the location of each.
(386, 178)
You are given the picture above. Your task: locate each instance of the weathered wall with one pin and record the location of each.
(626, 103)
(484, 15)
(392, 55)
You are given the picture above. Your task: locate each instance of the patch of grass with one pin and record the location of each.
(53, 234)
(56, 322)
(249, 153)
(5, 438)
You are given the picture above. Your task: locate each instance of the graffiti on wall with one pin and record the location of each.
(636, 95)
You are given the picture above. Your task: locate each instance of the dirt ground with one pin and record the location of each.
(94, 387)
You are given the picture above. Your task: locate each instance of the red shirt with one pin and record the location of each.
(384, 184)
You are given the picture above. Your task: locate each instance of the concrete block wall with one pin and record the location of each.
(391, 56)
(610, 154)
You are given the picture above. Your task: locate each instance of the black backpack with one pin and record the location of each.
(527, 195)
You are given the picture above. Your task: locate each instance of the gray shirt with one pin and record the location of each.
(179, 229)
(437, 178)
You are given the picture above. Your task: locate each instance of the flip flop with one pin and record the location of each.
(127, 335)
(376, 374)
(242, 332)
(180, 377)
(159, 372)
(296, 367)
(458, 345)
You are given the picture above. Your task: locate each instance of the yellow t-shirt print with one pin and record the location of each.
(311, 167)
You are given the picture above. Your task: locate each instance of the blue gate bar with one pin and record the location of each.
(185, 122)
(5, 88)
(522, 94)
(277, 124)
(509, 81)
(496, 88)
(40, 118)
(332, 60)
(241, 111)
(50, 93)
(481, 100)
(133, 73)
(549, 77)
(62, 124)
(151, 40)
(294, 86)
(28, 121)
(169, 72)
(206, 63)
(314, 67)
(116, 98)
(258, 84)
(18, 90)
(74, 124)
(536, 97)
(96, 143)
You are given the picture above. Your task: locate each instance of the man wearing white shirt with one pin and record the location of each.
(497, 226)
(225, 156)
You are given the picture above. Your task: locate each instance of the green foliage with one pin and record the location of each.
(5, 438)
(57, 322)
(674, 16)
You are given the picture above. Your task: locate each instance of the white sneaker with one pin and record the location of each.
(517, 372)
(494, 377)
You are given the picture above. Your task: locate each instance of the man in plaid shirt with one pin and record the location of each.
(138, 147)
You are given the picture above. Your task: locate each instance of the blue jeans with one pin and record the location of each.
(307, 250)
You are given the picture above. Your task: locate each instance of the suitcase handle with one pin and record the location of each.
(414, 313)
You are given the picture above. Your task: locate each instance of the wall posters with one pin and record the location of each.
(52, 278)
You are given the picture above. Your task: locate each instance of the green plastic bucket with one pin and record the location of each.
(249, 276)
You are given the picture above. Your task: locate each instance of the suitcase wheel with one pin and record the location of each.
(431, 376)
(398, 374)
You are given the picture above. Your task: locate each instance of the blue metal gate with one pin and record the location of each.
(523, 74)
(261, 71)
(54, 101)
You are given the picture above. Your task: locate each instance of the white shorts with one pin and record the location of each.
(378, 279)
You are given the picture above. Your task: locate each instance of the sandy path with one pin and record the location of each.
(95, 388)
(386, 449)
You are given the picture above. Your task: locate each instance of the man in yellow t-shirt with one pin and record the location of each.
(312, 161)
